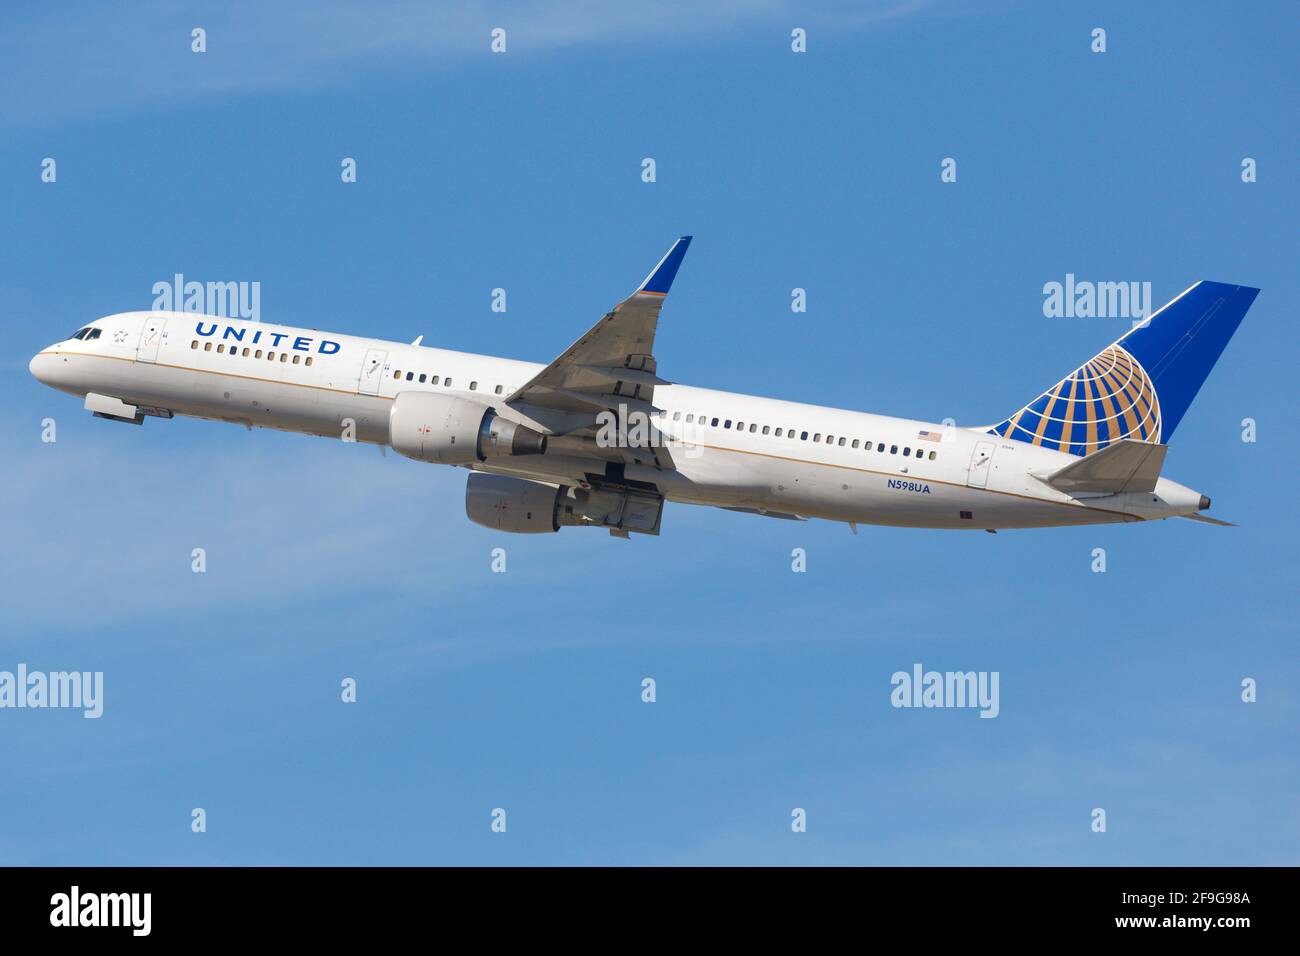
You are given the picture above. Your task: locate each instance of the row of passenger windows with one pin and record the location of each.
(297, 358)
(796, 435)
(423, 377)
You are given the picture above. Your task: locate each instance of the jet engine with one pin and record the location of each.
(448, 430)
(512, 504)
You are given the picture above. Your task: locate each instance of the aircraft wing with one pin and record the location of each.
(612, 365)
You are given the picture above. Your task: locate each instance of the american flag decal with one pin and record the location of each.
(930, 436)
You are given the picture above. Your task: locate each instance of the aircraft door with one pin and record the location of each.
(980, 464)
(372, 371)
(151, 336)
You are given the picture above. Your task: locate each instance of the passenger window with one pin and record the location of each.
(727, 424)
(257, 354)
(932, 456)
(270, 356)
(207, 346)
(778, 433)
(677, 416)
(765, 430)
(410, 376)
(308, 357)
(855, 443)
(690, 418)
(880, 447)
(497, 390)
(284, 356)
(297, 359)
(842, 443)
(245, 354)
(803, 436)
(446, 383)
(220, 348)
(473, 386)
(752, 428)
(817, 437)
(715, 423)
(433, 380)
(396, 372)
(422, 378)
(906, 452)
(194, 344)
(740, 426)
(893, 449)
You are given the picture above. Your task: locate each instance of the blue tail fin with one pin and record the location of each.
(1140, 387)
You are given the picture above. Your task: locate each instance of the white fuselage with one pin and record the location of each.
(318, 383)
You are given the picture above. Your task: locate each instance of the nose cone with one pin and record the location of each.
(40, 367)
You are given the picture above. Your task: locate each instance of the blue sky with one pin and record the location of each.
(522, 690)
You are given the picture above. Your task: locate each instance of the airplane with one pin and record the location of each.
(598, 439)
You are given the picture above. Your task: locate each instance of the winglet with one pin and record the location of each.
(661, 277)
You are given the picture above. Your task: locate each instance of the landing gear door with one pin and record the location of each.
(151, 336)
(372, 371)
(981, 461)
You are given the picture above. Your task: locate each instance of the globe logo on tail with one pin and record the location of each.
(1109, 398)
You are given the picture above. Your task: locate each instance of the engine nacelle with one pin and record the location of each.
(448, 430)
(505, 503)
(512, 504)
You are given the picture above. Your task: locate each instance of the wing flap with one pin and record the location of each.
(1206, 519)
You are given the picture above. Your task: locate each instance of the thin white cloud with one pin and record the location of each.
(123, 58)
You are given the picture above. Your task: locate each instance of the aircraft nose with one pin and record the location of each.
(39, 367)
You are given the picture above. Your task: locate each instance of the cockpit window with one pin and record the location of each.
(94, 334)
(87, 334)
(79, 334)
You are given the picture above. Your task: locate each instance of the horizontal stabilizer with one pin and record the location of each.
(1125, 466)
